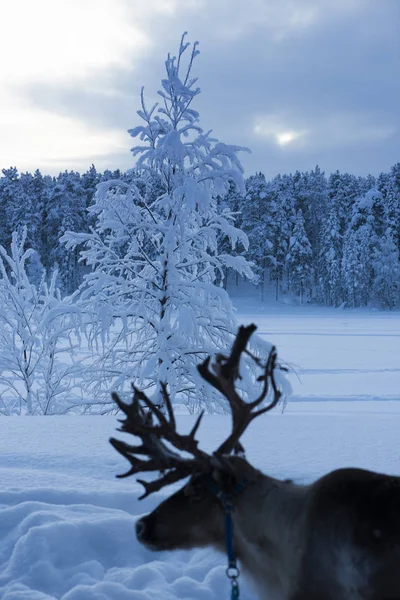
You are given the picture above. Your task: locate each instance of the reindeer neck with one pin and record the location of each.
(268, 524)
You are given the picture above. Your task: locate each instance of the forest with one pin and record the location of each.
(327, 239)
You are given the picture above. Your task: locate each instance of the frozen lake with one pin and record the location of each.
(338, 354)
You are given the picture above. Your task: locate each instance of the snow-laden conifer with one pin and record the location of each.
(299, 259)
(155, 295)
(359, 243)
(329, 276)
(386, 266)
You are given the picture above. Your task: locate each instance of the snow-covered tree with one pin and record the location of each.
(233, 202)
(352, 272)
(280, 220)
(255, 211)
(10, 196)
(387, 271)
(66, 210)
(389, 186)
(155, 260)
(299, 259)
(329, 279)
(311, 194)
(38, 191)
(343, 189)
(35, 328)
(360, 240)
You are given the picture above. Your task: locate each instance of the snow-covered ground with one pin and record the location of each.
(67, 525)
(337, 354)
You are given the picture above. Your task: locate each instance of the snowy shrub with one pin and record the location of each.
(35, 338)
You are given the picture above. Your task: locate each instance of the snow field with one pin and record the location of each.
(67, 525)
(337, 354)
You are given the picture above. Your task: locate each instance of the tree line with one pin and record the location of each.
(328, 239)
(332, 240)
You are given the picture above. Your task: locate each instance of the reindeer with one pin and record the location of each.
(335, 539)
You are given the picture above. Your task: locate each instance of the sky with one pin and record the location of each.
(299, 82)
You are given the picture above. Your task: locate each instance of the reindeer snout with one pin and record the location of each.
(147, 533)
(141, 529)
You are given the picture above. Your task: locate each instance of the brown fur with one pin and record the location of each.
(336, 539)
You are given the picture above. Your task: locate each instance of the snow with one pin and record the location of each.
(67, 524)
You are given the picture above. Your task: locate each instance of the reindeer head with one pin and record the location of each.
(194, 516)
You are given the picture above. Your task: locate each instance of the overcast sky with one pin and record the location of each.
(300, 82)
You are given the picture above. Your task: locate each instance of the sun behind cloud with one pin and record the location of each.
(287, 137)
(273, 127)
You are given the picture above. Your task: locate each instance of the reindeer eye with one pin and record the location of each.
(197, 497)
(194, 491)
(224, 478)
(188, 490)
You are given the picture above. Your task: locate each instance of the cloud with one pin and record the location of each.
(37, 137)
(60, 44)
(65, 39)
(323, 131)
(299, 81)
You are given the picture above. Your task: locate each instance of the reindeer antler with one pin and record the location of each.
(163, 458)
(225, 371)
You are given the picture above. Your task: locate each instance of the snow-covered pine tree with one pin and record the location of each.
(89, 181)
(155, 260)
(299, 260)
(359, 243)
(38, 191)
(10, 196)
(281, 215)
(255, 211)
(66, 210)
(387, 271)
(343, 189)
(311, 195)
(366, 183)
(234, 201)
(391, 195)
(20, 208)
(352, 272)
(329, 280)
